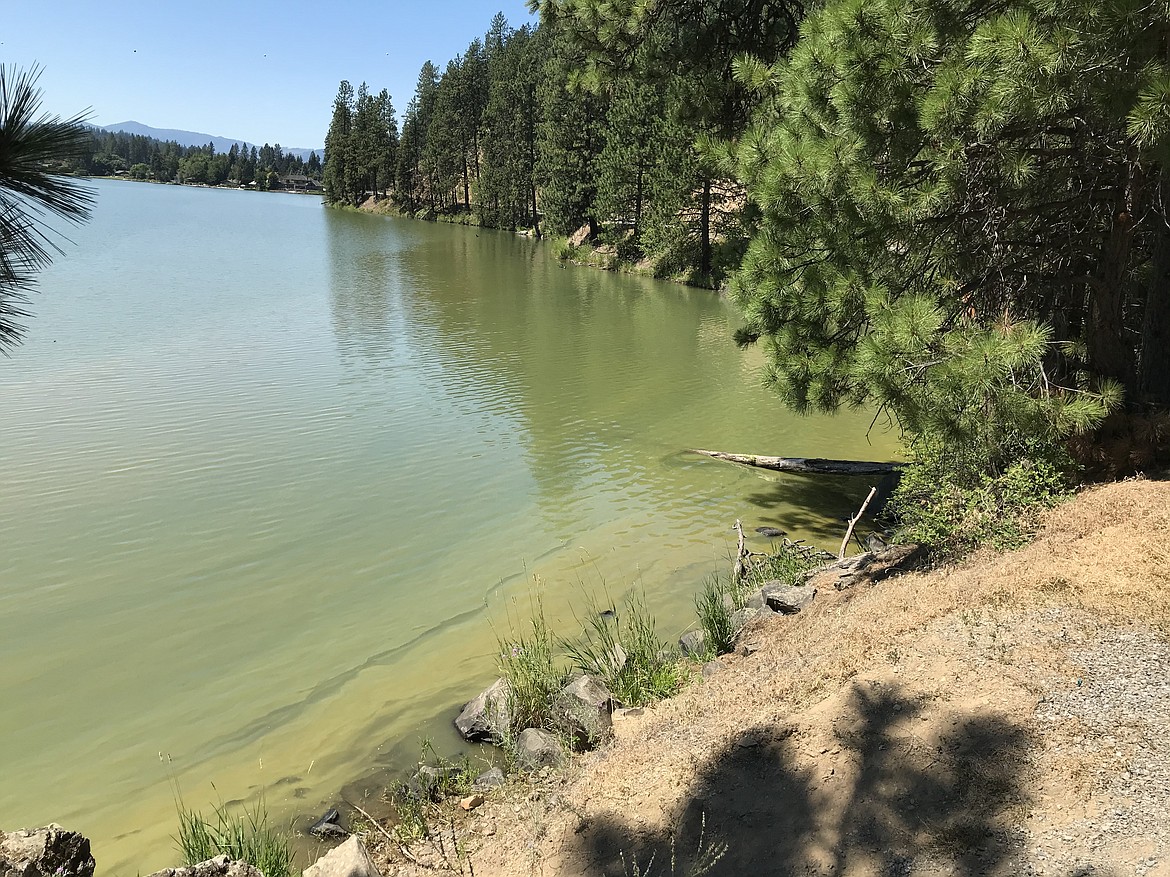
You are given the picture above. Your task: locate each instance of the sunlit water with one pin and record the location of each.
(274, 477)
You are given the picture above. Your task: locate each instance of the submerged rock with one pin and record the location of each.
(328, 826)
(45, 852)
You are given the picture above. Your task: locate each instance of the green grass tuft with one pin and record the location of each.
(650, 670)
(244, 836)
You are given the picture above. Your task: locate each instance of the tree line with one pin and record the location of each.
(520, 131)
(952, 210)
(110, 153)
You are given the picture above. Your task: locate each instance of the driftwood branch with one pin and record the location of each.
(805, 465)
(374, 822)
(853, 523)
(739, 573)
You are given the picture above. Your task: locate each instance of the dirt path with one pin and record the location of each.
(1008, 717)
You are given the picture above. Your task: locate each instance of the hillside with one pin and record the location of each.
(1004, 717)
(194, 138)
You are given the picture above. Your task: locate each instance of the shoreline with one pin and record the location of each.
(1005, 664)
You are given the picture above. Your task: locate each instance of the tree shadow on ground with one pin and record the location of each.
(882, 795)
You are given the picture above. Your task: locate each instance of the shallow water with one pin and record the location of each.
(275, 476)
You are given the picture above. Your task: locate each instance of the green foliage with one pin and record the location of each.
(528, 661)
(954, 500)
(620, 647)
(788, 563)
(714, 606)
(958, 208)
(31, 144)
(245, 836)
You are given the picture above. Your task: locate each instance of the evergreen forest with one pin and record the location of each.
(951, 212)
(116, 153)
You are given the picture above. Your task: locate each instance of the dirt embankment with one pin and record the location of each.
(1011, 716)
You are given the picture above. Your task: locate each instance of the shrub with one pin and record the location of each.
(950, 500)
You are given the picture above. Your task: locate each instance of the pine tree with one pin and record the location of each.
(962, 212)
(31, 145)
(338, 170)
(571, 136)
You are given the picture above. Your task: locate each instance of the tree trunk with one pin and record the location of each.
(1154, 383)
(805, 465)
(705, 229)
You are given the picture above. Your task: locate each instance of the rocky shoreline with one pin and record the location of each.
(1003, 717)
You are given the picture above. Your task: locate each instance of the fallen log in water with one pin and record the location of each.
(805, 465)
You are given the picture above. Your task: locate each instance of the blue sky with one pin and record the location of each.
(255, 70)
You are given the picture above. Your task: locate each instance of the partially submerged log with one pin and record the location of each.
(805, 465)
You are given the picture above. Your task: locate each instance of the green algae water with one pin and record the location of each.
(274, 477)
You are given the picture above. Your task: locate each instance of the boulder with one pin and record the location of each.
(45, 852)
(693, 643)
(584, 708)
(536, 749)
(788, 599)
(741, 617)
(490, 779)
(350, 859)
(487, 716)
(220, 866)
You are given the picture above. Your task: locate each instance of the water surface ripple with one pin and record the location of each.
(274, 478)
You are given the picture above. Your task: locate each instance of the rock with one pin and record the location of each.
(220, 866)
(580, 236)
(492, 778)
(487, 716)
(45, 852)
(350, 859)
(425, 781)
(787, 598)
(471, 802)
(328, 826)
(873, 567)
(756, 600)
(740, 619)
(713, 667)
(616, 659)
(693, 643)
(584, 709)
(536, 749)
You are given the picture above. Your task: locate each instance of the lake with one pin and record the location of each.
(275, 477)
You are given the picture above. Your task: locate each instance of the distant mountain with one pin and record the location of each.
(193, 138)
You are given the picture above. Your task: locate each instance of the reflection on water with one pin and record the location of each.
(275, 476)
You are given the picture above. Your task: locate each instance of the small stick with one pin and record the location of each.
(853, 523)
(374, 822)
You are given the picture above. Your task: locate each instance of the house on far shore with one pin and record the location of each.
(299, 183)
